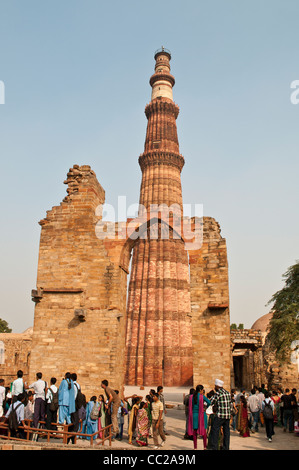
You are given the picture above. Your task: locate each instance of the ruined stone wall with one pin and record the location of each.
(80, 297)
(15, 349)
(209, 291)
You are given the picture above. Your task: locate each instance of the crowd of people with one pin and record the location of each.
(209, 416)
(265, 408)
(214, 415)
(40, 404)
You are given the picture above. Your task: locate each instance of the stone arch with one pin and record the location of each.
(134, 235)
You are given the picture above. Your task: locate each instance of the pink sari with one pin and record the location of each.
(201, 430)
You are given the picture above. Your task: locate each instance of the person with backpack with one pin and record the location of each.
(15, 416)
(268, 413)
(52, 404)
(92, 416)
(40, 389)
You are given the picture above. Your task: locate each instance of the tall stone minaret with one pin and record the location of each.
(159, 335)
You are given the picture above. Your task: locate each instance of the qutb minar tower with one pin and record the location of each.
(159, 331)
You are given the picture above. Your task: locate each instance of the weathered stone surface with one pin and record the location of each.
(77, 273)
(159, 333)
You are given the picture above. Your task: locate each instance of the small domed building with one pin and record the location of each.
(253, 363)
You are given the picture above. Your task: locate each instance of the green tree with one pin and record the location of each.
(4, 328)
(284, 324)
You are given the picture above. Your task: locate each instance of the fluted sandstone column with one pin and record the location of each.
(159, 335)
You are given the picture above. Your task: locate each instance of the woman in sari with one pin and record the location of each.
(102, 417)
(142, 425)
(277, 401)
(197, 418)
(132, 420)
(243, 422)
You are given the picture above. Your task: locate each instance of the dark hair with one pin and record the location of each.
(53, 380)
(243, 399)
(39, 375)
(142, 404)
(68, 379)
(20, 373)
(74, 377)
(159, 388)
(105, 382)
(195, 393)
(93, 398)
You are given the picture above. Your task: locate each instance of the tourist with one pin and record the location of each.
(197, 422)
(78, 404)
(133, 416)
(186, 399)
(295, 405)
(102, 415)
(162, 399)
(261, 397)
(268, 413)
(51, 404)
(243, 421)
(2, 397)
(157, 421)
(92, 416)
(142, 425)
(149, 401)
(254, 408)
(239, 395)
(18, 405)
(18, 385)
(234, 411)
(276, 400)
(121, 412)
(39, 387)
(29, 407)
(112, 405)
(287, 401)
(211, 413)
(129, 406)
(222, 400)
(66, 399)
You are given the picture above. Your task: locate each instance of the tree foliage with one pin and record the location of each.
(284, 324)
(4, 328)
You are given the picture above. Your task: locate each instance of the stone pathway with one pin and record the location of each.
(175, 421)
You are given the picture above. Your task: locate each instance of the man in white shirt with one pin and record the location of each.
(2, 396)
(39, 387)
(254, 406)
(18, 385)
(51, 413)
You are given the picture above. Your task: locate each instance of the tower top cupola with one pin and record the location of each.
(162, 81)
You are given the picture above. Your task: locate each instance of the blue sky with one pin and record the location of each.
(76, 77)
